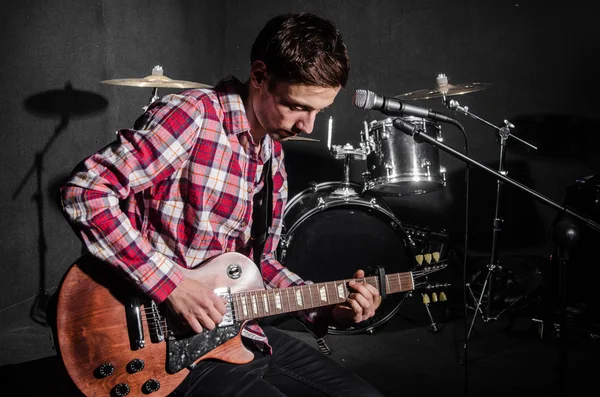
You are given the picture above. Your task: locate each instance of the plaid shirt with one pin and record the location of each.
(187, 172)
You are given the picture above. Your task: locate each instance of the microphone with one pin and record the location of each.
(368, 100)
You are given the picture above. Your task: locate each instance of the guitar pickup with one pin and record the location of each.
(228, 319)
(134, 324)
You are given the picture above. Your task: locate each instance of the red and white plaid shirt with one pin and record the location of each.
(188, 172)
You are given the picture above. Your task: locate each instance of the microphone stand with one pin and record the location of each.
(566, 236)
(493, 265)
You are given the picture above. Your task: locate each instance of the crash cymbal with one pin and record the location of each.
(156, 80)
(444, 89)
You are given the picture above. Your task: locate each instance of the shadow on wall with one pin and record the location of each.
(62, 105)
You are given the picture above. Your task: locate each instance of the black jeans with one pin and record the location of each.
(294, 369)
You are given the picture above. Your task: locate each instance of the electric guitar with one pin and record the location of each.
(114, 342)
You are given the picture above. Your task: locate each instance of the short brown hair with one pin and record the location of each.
(302, 48)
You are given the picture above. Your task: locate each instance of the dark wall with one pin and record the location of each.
(539, 58)
(54, 108)
(537, 55)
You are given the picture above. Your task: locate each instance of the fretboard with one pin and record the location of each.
(263, 303)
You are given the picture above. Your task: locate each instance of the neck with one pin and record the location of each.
(256, 130)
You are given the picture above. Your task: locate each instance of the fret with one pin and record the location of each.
(244, 307)
(277, 300)
(399, 282)
(310, 296)
(323, 297)
(300, 297)
(254, 304)
(287, 295)
(265, 297)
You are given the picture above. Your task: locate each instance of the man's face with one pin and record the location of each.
(290, 109)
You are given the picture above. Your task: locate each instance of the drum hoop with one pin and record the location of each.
(315, 187)
(379, 205)
(344, 203)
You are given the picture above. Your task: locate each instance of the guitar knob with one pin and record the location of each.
(151, 386)
(106, 369)
(122, 389)
(135, 365)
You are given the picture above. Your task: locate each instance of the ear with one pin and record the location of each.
(258, 73)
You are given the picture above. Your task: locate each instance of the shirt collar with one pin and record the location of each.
(230, 91)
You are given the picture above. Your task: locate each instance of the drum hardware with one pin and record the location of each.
(493, 266)
(347, 153)
(156, 80)
(415, 132)
(327, 236)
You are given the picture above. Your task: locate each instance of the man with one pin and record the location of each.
(188, 175)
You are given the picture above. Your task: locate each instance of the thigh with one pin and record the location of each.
(213, 378)
(298, 369)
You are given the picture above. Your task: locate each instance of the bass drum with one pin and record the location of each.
(328, 237)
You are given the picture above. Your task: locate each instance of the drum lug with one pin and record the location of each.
(389, 168)
(321, 204)
(373, 203)
(427, 165)
(313, 186)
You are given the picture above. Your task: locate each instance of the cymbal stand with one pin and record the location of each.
(493, 266)
(156, 71)
(346, 152)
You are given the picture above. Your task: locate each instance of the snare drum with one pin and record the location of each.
(327, 238)
(399, 166)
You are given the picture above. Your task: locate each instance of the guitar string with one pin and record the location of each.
(162, 320)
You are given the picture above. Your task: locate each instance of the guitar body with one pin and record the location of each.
(93, 330)
(114, 342)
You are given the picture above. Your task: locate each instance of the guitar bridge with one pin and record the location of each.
(228, 319)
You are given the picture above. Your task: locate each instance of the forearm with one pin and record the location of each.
(108, 234)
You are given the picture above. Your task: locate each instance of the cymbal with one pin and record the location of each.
(444, 89)
(156, 80)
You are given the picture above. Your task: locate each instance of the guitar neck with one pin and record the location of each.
(263, 303)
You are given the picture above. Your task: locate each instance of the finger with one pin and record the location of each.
(194, 324)
(363, 289)
(215, 315)
(206, 321)
(357, 308)
(359, 273)
(220, 305)
(364, 303)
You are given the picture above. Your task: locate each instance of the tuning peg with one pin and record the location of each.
(434, 297)
(425, 299)
(436, 256)
(428, 258)
(443, 297)
(419, 259)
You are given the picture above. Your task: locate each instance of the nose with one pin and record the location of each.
(307, 123)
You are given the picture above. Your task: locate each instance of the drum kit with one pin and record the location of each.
(343, 225)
